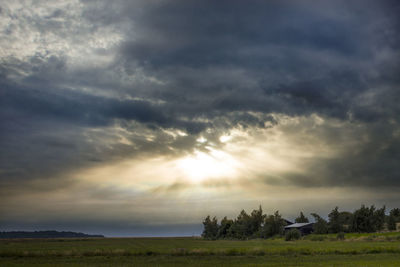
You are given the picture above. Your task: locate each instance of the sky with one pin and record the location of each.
(140, 118)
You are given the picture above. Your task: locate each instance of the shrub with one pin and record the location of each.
(340, 236)
(293, 234)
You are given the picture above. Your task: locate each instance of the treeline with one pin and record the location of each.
(259, 225)
(45, 234)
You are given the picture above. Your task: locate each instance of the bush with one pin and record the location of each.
(340, 236)
(293, 234)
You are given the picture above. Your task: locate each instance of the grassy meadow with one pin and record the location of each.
(314, 250)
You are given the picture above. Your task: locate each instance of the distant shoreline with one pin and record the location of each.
(44, 234)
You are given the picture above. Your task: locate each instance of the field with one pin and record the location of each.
(323, 250)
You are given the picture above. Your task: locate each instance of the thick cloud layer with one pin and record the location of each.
(88, 83)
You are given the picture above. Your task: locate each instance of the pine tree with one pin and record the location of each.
(320, 225)
(334, 221)
(210, 228)
(301, 218)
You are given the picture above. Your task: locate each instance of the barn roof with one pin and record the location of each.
(287, 222)
(298, 225)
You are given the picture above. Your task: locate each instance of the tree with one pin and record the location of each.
(320, 225)
(256, 220)
(301, 218)
(241, 226)
(392, 223)
(394, 217)
(368, 219)
(396, 212)
(273, 225)
(334, 224)
(362, 219)
(210, 228)
(345, 219)
(378, 219)
(223, 231)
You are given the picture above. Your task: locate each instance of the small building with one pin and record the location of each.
(304, 228)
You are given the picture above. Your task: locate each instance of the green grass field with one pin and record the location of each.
(356, 250)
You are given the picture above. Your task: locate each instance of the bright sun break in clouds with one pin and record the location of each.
(251, 153)
(206, 165)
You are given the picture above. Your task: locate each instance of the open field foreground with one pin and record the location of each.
(323, 250)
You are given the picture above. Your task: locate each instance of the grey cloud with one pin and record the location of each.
(270, 42)
(368, 156)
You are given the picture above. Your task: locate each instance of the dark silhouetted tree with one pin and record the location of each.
(395, 212)
(393, 219)
(320, 225)
(273, 225)
(256, 221)
(334, 225)
(391, 223)
(378, 219)
(301, 218)
(210, 228)
(223, 231)
(241, 228)
(368, 219)
(345, 219)
(362, 219)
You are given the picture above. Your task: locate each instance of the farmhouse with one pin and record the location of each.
(304, 228)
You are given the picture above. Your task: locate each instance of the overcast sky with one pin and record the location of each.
(142, 117)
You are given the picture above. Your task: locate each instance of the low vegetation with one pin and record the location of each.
(357, 249)
(353, 243)
(293, 234)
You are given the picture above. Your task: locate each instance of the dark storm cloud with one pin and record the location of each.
(197, 65)
(205, 33)
(77, 107)
(302, 57)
